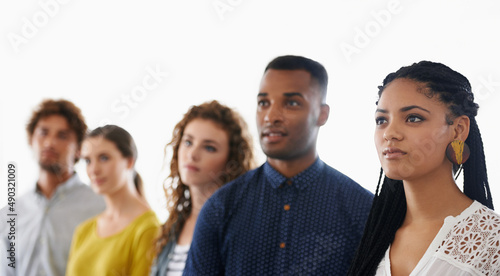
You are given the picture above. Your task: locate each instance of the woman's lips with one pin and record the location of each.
(192, 168)
(393, 153)
(99, 181)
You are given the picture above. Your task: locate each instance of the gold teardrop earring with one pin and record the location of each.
(457, 152)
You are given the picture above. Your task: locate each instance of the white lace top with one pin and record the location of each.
(468, 244)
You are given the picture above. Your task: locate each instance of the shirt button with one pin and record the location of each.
(289, 182)
(286, 207)
(282, 245)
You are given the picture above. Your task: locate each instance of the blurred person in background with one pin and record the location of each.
(48, 214)
(119, 241)
(211, 146)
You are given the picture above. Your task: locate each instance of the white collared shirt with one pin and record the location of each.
(44, 228)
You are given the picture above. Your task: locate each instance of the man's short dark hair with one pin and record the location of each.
(62, 108)
(317, 71)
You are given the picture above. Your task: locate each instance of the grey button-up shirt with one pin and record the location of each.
(44, 228)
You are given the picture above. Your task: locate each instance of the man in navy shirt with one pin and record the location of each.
(294, 215)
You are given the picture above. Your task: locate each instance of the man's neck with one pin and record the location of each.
(290, 168)
(48, 181)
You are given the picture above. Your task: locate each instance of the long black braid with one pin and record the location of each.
(389, 205)
(475, 177)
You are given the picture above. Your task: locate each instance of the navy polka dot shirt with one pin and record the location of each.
(266, 224)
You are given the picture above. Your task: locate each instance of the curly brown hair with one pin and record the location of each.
(240, 160)
(63, 108)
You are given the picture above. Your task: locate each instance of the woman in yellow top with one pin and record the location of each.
(119, 240)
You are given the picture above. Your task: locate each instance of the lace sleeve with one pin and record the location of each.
(474, 242)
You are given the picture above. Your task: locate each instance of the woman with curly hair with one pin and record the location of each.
(211, 146)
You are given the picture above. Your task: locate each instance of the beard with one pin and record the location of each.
(54, 168)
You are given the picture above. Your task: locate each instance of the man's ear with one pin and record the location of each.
(78, 154)
(324, 112)
(461, 128)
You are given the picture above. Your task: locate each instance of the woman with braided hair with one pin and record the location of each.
(421, 223)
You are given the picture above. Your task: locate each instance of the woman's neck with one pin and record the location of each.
(124, 202)
(433, 197)
(199, 195)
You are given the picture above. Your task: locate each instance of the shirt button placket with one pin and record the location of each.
(285, 222)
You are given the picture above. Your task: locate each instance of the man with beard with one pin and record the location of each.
(294, 215)
(48, 214)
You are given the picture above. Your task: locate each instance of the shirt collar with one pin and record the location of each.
(300, 180)
(74, 180)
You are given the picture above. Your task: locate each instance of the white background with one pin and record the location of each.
(97, 53)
